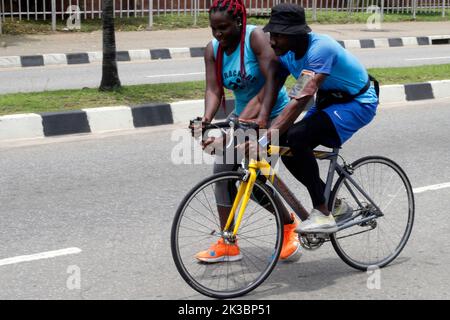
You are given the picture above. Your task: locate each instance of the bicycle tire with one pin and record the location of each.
(337, 239)
(184, 257)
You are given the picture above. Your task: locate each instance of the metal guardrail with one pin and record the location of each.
(91, 9)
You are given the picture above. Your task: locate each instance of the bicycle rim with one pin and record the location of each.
(196, 227)
(378, 242)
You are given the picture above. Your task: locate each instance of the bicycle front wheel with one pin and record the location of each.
(374, 242)
(197, 226)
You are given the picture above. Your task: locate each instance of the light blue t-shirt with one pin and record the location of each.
(244, 91)
(327, 56)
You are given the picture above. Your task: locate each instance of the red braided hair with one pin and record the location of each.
(237, 9)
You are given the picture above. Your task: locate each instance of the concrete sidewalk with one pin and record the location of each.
(187, 38)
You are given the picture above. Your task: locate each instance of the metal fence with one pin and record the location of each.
(91, 9)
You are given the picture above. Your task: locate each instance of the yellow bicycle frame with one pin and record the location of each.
(245, 189)
(244, 193)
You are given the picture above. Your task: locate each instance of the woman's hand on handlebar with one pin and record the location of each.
(197, 126)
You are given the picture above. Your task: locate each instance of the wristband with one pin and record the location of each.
(263, 141)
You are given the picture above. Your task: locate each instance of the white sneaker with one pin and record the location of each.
(342, 210)
(317, 222)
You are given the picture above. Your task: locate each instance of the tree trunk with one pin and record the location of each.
(110, 75)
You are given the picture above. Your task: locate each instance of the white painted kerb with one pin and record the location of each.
(21, 126)
(184, 111)
(441, 89)
(392, 93)
(13, 61)
(109, 118)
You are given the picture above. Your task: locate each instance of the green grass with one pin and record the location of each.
(139, 94)
(411, 74)
(174, 21)
(87, 98)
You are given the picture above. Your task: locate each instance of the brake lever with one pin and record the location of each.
(230, 134)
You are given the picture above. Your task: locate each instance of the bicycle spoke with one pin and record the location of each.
(211, 210)
(200, 224)
(258, 238)
(247, 231)
(257, 246)
(244, 225)
(250, 254)
(196, 230)
(392, 199)
(197, 240)
(202, 214)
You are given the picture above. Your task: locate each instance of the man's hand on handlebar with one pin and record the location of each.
(212, 145)
(249, 149)
(197, 126)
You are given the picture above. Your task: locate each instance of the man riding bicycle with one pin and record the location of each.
(346, 101)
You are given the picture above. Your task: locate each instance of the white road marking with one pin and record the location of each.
(433, 58)
(432, 187)
(176, 74)
(38, 256)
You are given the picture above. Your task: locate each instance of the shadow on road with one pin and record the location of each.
(303, 277)
(308, 277)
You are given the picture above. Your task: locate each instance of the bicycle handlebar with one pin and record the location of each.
(218, 125)
(231, 123)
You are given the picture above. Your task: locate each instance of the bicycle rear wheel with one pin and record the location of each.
(196, 227)
(377, 242)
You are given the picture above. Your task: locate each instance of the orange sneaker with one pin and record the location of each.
(219, 252)
(290, 251)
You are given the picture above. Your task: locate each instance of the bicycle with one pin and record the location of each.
(363, 206)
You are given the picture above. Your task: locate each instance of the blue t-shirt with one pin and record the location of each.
(327, 56)
(244, 91)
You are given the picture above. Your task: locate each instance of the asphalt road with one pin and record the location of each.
(179, 70)
(110, 199)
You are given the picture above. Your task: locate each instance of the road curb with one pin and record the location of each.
(94, 120)
(97, 56)
(195, 52)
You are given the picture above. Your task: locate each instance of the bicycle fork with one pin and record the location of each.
(244, 193)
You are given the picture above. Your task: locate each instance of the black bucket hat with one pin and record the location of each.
(287, 18)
